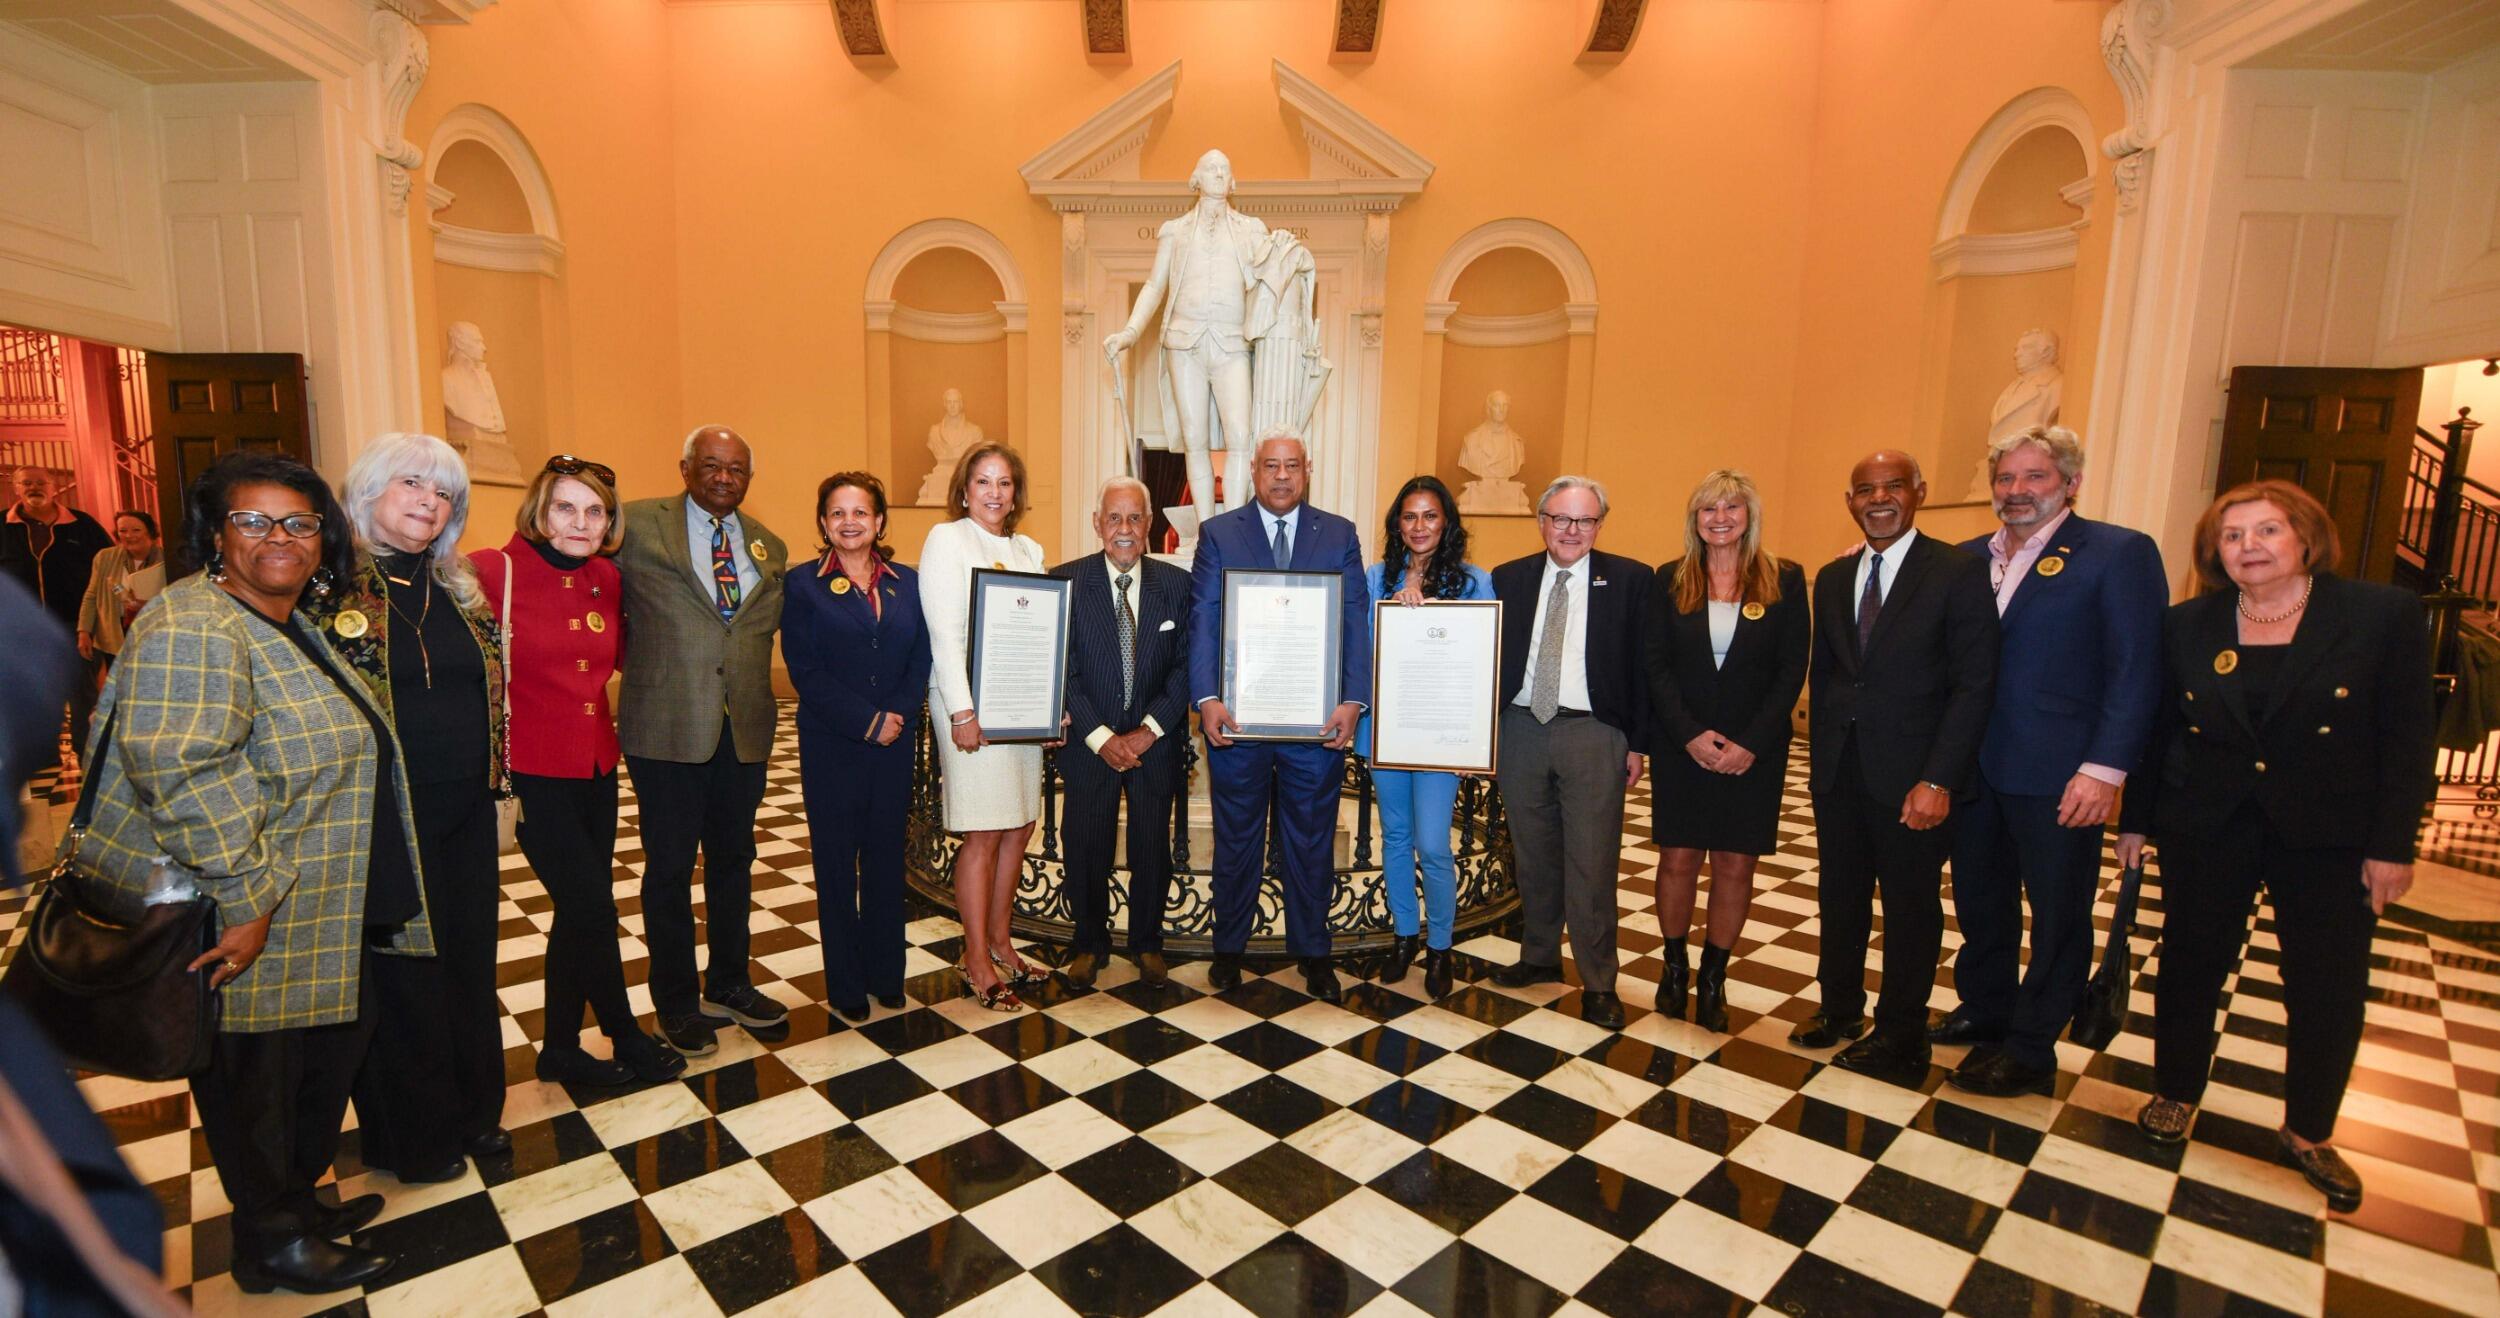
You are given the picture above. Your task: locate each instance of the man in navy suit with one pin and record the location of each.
(1575, 715)
(1278, 532)
(1128, 691)
(2078, 677)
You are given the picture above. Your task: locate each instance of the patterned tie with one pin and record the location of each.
(724, 573)
(1128, 648)
(1282, 551)
(1870, 601)
(1545, 689)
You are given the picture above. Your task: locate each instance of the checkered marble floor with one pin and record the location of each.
(1126, 1150)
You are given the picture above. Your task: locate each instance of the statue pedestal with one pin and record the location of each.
(489, 455)
(1493, 496)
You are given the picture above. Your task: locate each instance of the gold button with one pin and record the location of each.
(2195, 730)
(2261, 766)
(581, 665)
(589, 708)
(2324, 729)
(2342, 691)
(2191, 695)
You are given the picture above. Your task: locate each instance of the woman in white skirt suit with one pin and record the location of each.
(993, 793)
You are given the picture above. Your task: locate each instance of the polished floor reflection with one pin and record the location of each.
(1133, 1151)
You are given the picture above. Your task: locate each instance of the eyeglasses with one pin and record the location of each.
(255, 526)
(1583, 525)
(565, 464)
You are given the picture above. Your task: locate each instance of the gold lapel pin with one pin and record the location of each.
(2226, 661)
(757, 549)
(2051, 566)
(350, 623)
(841, 585)
(598, 622)
(1753, 611)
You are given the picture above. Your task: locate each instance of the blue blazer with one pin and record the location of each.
(1479, 587)
(1322, 542)
(849, 665)
(2079, 672)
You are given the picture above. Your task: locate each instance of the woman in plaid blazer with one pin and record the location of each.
(242, 750)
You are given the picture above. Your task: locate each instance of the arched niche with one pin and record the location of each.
(1512, 306)
(498, 264)
(2004, 265)
(945, 307)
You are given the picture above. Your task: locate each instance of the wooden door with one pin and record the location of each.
(2343, 434)
(203, 406)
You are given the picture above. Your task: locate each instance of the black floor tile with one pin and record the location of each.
(872, 1089)
(1140, 1100)
(1006, 1094)
(1552, 1117)
(1130, 1177)
(1120, 1274)
(1292, 1275)
(2234, 1214)
(1521, 1056)
(539, 1146)
(934, 1270)
(1269, 1045)
(1765, 1203)
(819, 1164)
(759, 1261)
(599, 1248)
(1602, 1197)
(1276, 1105)
(1391, 1051)
(1415, 1112)
(1836, 1126)
(1640, 1283)
(1927, 1208)
(437, 1237)
(741, 1083)
(1285, 1183)
(2125, 1227)
(1694, 1122)
(1815, 1285)
(659, 1161)
(1443, 1191)
(1463, 1279)
(972, 1172)
(1148, 1041)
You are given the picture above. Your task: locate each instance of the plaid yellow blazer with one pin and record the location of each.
(237, 756)
(368, 652)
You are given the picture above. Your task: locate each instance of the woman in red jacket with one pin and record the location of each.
(567, 627)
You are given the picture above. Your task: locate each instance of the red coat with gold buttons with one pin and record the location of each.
(567, 630)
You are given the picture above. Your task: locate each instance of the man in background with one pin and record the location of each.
(49, 547)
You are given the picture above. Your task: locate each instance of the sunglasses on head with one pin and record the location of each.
(565, 464)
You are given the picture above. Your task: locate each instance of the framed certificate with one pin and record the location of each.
(1283, 642)
(1018, 654)
(1436, 684)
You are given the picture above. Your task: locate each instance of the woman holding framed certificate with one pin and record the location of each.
(993, 792)
(1726, 652)
(1423, 557)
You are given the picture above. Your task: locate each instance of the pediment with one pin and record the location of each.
(1349, 157)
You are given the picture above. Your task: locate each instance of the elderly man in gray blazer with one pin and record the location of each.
(702, 600)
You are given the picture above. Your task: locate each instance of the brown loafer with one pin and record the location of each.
(2325, 1169)
(1151, 969)
(1082, 968)
(2166, 1120)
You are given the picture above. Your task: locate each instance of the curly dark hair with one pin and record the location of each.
(210, 499)
(1445, 577)
(866, 483)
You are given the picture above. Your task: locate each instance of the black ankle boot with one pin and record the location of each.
(1401, 955)
(1710, 991)
(1679, 974)
(1437, 972)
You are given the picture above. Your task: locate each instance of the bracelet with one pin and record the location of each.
(954, 722)
(1934, 787)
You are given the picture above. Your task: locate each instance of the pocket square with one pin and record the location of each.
(1167, 626)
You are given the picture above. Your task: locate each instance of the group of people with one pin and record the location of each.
(93, 581)
(320, 726)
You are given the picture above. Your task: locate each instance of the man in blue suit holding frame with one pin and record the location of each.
(1277, 531)
(2078, 677)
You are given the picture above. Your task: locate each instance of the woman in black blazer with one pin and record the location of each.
(2294, 751)
(859, 656)
(1728, 636)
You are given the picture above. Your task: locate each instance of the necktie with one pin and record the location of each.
(1870, 600)
(724, 572)
(1128, 648)
(1282, 551)
(1545, 689)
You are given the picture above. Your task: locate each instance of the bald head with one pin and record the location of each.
(716, 466)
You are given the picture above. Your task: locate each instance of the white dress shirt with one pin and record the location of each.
(1269, 521)
(1574, 693)
(1893, 554)
(699, 547)
(1137, 609)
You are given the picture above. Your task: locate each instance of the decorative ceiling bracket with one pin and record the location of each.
(2127, 46)
(1612, 31)
(1105, 30)
(863, 37)
(1356, 39)
(402, 60)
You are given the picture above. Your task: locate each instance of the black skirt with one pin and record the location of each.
(1693, 807)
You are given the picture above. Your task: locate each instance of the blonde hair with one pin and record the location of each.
(530, 519)
(401, 453)
(1757, 573)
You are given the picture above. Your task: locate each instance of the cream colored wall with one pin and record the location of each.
(1904, 86)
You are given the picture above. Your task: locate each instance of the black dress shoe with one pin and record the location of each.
(1319, 978)
(489, 1143)
(1821, 1031)
(1520, 974)
(854, 1015)
(890, 1001)
(1603, 1010)
(1401, 955)
(1082, 968)
(1152, 971)
(572, 1066)
(450, 1171)
(1225, 974)
(309, 1265)
(1886, 1055)
(2325, 1169)
(1998, 1075)
(1957, 1028)
(1437, 972)
(335, 1221)
(648, 1059)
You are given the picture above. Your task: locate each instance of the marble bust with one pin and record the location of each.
(950, 436)
(1493, 454)
(2032, 399)
(473, 419)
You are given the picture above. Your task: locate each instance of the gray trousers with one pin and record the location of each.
(1562, 786)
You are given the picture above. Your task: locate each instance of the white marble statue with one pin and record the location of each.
(1233, 286)
(2032, 399)
(473, 419)
(1493, 454)
(950, 437)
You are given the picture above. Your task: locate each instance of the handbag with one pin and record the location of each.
(2104, 1007)
(115, 995)
(508, 805)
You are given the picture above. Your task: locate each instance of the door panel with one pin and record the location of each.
(207, 405)
(2344, 435)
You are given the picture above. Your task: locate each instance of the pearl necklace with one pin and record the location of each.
(2297, 605)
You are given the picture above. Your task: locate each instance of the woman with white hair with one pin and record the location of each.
(413, 623)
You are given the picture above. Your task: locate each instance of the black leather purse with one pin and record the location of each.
(2104, 1007)
(115, 996)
